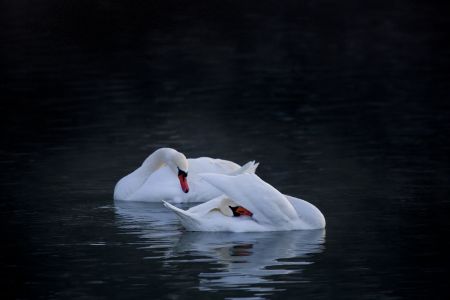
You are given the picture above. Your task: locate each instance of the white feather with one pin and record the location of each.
(272, 211)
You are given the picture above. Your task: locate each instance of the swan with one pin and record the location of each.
(248, 203)
(259, 258)
(164, 176)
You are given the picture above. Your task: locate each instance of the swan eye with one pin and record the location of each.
(182, 173)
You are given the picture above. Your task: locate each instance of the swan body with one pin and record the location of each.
(156, 179)
(271, 210)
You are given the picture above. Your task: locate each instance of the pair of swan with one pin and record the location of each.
(235, 199)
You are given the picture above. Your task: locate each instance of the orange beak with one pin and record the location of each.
(243, 212)
(183, 183)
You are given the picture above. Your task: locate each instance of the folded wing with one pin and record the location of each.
(266, 203)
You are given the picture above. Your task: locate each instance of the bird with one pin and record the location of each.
(248, 204)
(164, 176)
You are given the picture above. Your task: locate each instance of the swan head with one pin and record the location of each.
(231, 209)
(176, 161)
(180, 162)
(182, 176)
(240, 211)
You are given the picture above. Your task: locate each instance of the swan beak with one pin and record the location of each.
(243, 212)
(183, 182)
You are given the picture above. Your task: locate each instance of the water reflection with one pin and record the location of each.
(250, 258)
(250, 261)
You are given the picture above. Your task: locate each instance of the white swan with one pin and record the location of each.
(248, 204)
(261, 259)
(164, 176)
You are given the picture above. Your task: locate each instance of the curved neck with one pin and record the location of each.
(132, 182)
(156, 160)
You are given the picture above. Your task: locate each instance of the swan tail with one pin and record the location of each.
(188, 221)
(249, 167)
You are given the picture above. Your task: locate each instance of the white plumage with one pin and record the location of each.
(272, 211)
(156, 179)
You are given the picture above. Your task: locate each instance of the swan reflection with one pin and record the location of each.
(244, 260)
(250, 258)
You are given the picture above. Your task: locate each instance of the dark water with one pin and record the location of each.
(344, 105)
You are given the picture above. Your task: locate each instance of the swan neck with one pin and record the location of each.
(156, 160)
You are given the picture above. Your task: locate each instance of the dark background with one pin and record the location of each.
(346, 103)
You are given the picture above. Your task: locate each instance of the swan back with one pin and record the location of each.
(310, 215)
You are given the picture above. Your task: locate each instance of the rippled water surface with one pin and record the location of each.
(346, 106)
